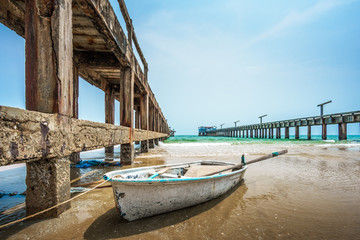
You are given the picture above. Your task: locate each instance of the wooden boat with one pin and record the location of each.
(147, 191)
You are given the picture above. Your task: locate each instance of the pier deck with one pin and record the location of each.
(64, 40)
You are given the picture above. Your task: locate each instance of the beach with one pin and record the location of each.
(312, 192)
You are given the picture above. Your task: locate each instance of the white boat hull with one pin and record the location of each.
(139, 199)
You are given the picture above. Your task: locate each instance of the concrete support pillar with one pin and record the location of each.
(144, 118)
(251, 133)
(127, 113)
(309, 132)
(278, 133)
(324, 132)
(109, 115)
(297, 134)
(151, 124)
(48, 184)
(49, 89)
(265, 133)
(342, 131)
(287, 135)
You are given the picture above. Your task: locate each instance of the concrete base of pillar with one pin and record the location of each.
(144, 146)
(48, 184)
(109, 153)
(151, 143)
(74, 158)
(127, 153)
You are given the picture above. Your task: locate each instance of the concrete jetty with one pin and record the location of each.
(266, 130)
(64, 40)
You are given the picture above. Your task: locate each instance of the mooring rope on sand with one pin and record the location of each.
(48, 209)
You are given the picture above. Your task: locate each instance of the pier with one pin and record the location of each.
(266, 130)
(64, 40)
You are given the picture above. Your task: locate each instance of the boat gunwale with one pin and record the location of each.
(169, 180)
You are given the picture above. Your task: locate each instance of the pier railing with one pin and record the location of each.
(266, 130)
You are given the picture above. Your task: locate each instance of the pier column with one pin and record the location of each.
(251, 133)
(324, 132)
(127, 113)
(342, 131)
(49, 89)
(156, 124)
(144, 118)
(137, 119)
(265, 133)
(309, 132)
(297, 134)
(151, 123)
(287, 136)
(278, 133)
(75, 157)
(109, 113)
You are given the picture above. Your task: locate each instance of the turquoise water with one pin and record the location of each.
(316, 139)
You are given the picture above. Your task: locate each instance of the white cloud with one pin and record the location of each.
(298, 18)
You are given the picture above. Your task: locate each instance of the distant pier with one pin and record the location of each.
(266, 130)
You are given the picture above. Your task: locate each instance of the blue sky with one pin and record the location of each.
(213, 62)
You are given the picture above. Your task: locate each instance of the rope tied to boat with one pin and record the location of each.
(57, 205)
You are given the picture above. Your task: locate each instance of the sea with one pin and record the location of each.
(312, 192)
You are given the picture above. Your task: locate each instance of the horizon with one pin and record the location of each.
(214, 62)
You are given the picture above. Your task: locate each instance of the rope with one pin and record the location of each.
(48, 209)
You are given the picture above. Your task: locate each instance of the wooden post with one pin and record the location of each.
(287, 136)
(75, 157)
(297, 134)
(49, 89)
(137, 119)
(109, 115)
(265, 133)
(251, 133)
(343, 131)
(309, 132)
(324, 132)
(156, 124)
(144, 112)
(127, 113)
(151, 123)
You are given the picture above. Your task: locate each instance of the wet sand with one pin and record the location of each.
(312, 192)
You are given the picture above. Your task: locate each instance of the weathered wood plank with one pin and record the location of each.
(29, 135)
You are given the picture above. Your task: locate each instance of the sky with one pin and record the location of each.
(219, 61)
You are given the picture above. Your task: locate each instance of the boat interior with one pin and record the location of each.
(191, 170)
